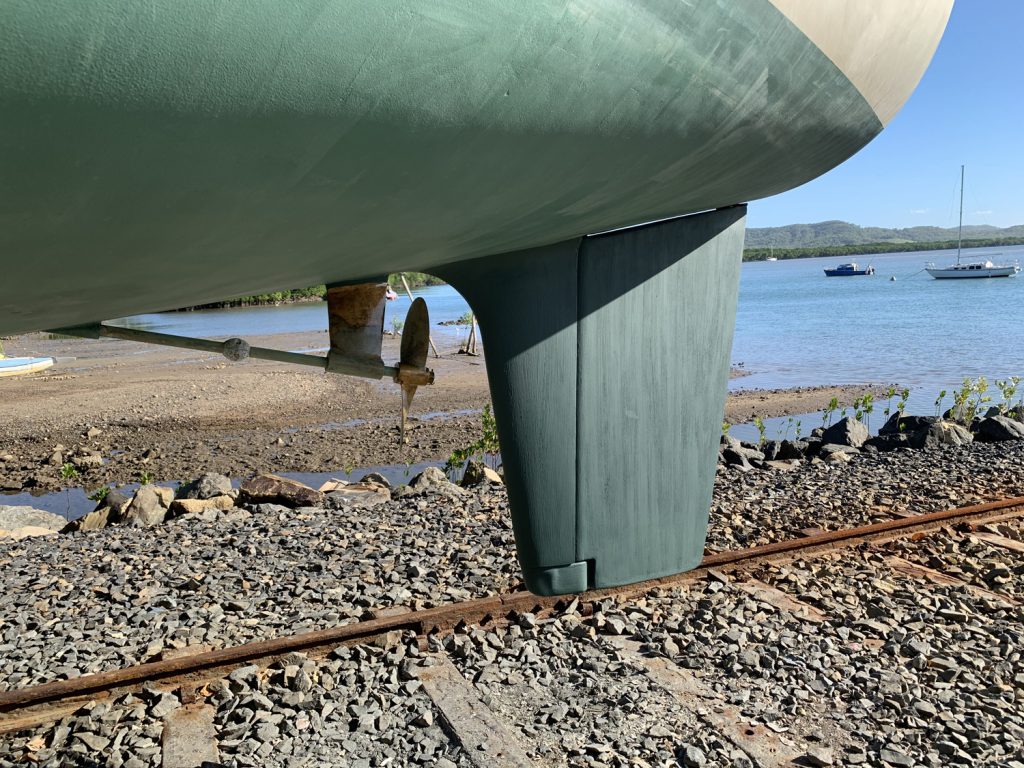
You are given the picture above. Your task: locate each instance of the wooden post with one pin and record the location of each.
(409, 294)
(471, 341)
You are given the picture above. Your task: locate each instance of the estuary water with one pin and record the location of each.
(304, 317)
(794, 326)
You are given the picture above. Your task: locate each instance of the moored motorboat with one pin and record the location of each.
(849, 270)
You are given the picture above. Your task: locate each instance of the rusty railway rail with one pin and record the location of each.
(24, 707)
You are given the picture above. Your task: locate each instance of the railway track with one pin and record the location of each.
(30, 707)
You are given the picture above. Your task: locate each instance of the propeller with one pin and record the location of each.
(412, 367)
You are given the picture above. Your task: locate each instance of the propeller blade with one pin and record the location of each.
(416, 335)
(415, 344)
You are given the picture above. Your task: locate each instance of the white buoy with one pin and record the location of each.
(892, 279)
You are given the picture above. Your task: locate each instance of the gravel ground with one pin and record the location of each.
(901, 672)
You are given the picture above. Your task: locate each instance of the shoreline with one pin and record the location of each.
(120, 410)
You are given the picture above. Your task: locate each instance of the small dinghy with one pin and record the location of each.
(18, 366)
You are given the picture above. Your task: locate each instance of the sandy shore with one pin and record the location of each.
(172, 413)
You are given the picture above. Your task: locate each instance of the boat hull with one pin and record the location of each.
(20, 366)
(170, 154)
(962, 274)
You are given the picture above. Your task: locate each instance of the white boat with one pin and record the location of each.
(974, 269)
(18, 366)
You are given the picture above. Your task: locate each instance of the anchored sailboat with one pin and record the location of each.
(969, 269)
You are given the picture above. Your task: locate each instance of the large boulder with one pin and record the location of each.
(207, 486)
(430, 480)
(22, 522)
(941, 433)
(790, 449)
(846, 431)
(961, 413)
(998, 429)
(22, 517)
(375, 477)
(102, 517)
(887, 442)
(149, 507)
(898, 424)
(117, 500)
(191, 506)
(271, 489)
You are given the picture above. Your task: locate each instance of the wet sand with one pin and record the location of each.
(172, 413)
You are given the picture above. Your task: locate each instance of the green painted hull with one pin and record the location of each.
(169, 154)
(162, 154)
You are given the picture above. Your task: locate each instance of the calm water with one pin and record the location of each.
(443, 302)
(794, 326)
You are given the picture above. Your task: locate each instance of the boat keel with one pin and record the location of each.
(608, 362)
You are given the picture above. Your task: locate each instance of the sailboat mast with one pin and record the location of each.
(960, 229)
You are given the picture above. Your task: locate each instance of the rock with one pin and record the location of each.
(25, 532)
(998, 429)
(734, 458)
(375, 477)
(812, 446)
(194, 506)
(429, 477)
(362, 494)
(694, 757)
(819, 757)
(164, 704)
(207, 486)
(846, 431)
(93, 432)
(94, 521)
(940, 433)
(264, 489)
(959, 413)
(790, 449)
(828, 449)
(728, 441)
(838, 457)
(149, 507)
(88, 460)
(431, 480)
(115, 499)
(477, 473)
(900, 424)
(21, 517)
(888, 442)
(896, 757)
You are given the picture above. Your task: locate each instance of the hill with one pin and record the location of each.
(835, 233)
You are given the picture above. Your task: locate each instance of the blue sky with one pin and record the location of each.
(968, 108)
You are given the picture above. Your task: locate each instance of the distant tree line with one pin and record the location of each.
(863, 249)
(313, 293)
